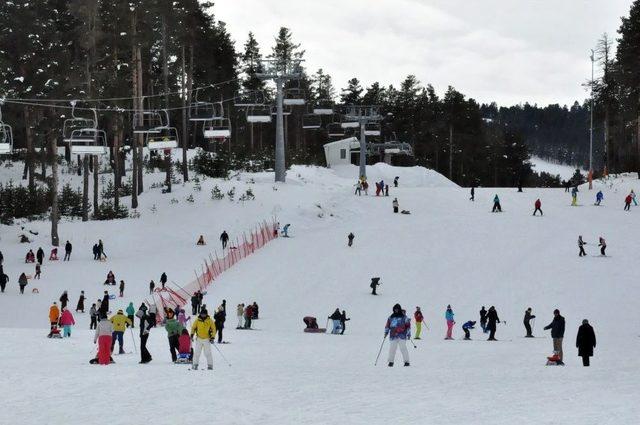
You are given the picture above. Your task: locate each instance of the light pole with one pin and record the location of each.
(591, 127)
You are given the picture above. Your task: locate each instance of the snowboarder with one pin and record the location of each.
(449, 317)
(398, 328)
(627, 203)
(396, 205)
(375, 282)
(285, 231)
(80, 305)
(54, 315)
(66, 321)
(93, 314)
(527, 322)
(492, 323)
(121, 287)
(343, 321)
(395, 181)
(537, 206)
(152, 286)
(335, 318)
(350, 238)
(174, 329)
(120, 323)
(418, 318)
(496, 204)
(64, 300)
(467, 326)
(599, 197)
(40, 255)
(22, 282)
(103, 336)
(239, 314)
(603, 246)
(131, 312)
(163, 279)
(219, 318)
(204, 331)
(483, 319)
(201, 241)
(581, 245)
(574, 196)
(473, 194)
(557, 333)
(224, 238)
(585, 342)
(67, 251)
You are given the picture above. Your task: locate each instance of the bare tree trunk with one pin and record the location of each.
(451, 152)
(134, 140)
(116, 164)
(96, 170)
(140, 108)
(55, 240)
(185, 130)
(29, 165)
(85, 189)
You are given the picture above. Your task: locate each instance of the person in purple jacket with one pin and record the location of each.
(398, 329)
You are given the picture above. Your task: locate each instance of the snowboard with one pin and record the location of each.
(315, 331)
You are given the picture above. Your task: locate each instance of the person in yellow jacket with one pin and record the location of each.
(120, 323)
(204, 329)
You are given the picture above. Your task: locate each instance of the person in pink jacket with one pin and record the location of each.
(66, 321)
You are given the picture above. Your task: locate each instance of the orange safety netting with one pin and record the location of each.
(173, 295)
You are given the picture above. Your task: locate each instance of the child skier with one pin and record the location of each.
(398, 327)
(581, 245)
(574, 196)
(603, 246)
(418, 318)
(449, 316)
(467, 327)
(599, 197)
(496, 204)
(627, 203)
(527, 322)
(66, 321)
(285, 231)
(537, 206)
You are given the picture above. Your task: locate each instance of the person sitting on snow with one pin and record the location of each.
(111, 279)
(466, 327)
(54, 255)
(184, 346)
(30, 257)
(201, 241)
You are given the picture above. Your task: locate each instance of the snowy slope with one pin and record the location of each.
(449, 251)
(563, 170)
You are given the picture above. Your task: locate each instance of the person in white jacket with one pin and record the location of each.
(104, 330)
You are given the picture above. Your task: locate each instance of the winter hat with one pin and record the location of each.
(204, 312)
(448, 305)
(585, 322)
(556, 311)
(120, 312)
(397, 308)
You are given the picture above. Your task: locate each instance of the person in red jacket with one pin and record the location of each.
(248, 315)
(184, 345)
(537, 205)
(627, 202)
(66, 321)
(419, 318)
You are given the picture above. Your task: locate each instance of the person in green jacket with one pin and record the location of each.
(131, 311)
(174, 329)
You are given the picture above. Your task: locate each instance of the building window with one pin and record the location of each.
(343, 154)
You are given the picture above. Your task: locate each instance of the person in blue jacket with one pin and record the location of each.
(468, 326)
(285, 231)
(496, 204)
(398, 329)
(599, 197)
(449, 316)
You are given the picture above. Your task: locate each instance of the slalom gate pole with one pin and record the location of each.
(135, 349)
(221, 355)
(380, 351)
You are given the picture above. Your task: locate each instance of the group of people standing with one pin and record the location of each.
(246, 314)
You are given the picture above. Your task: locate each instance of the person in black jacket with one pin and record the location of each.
(483, 319)
(527, 325)
(224, 238)
(492, 322)
(163, 279)
(104, 305)
(585, 342)
(64, 300)
(350, 238)
(557, 332)
(219, 318)
(40, 255)
(3, 279)
(336, 318)
(343, 321)
(67, 251)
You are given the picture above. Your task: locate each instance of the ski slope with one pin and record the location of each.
(448, 251)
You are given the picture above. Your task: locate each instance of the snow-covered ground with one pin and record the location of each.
(448, 251)
(563, 170)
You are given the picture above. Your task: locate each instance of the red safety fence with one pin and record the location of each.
(173, 295)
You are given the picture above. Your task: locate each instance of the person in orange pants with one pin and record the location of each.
(103, 338)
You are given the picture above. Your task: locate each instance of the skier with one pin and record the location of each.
(350, 238)
(335, 318)
(581, 245)
(633, 198)
(496, 204)
(93, 314)
(449, 316)
(467, 327)
(204, 330)
(557, 334)
(224, 238)
(627, 203)
(163, 279)
(285, 231)
(395, 181)
(66, 321)
(80, 305)
(131, 312)
(599, 197)
(22, 282)
(103, 336)
(54, 315)
(343, 321)
(492, 322)
(603, 246)
(152, 286)
(537, 206)
(64, 300)
(375, 282)
(585, 342)
(121, 287)
(574, 196)
(38, 271)
(219, 318)
(174, 329)
(473, 194)
(67, 251)
(40, 255)
(239, 314)
(418, 318)
(396, 205)
(120, 323)
(527, 325)
(145, 356)
(398, 328)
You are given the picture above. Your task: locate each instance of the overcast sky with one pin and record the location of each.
(508, 51)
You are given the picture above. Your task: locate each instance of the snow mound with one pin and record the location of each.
(409, 176)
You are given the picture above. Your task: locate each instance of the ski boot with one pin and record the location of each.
(209, 367)
(406, 364)
(194, 367)
(390, 364)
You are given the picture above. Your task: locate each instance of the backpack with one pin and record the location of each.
(140, 314)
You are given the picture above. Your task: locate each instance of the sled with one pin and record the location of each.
(554, 360)
(315, 330)
(112, 296)
(183, 359)
(55, 335)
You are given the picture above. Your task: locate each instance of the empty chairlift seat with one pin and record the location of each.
(217, 129)
(259, 114)
(88, 141)
(294, 97)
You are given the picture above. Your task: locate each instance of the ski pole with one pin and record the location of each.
(222, 355)
(414, 345)
(380, 351)
(135, 349)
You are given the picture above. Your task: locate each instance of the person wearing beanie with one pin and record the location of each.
(449, 317)
(398, 328)
(174, 329)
